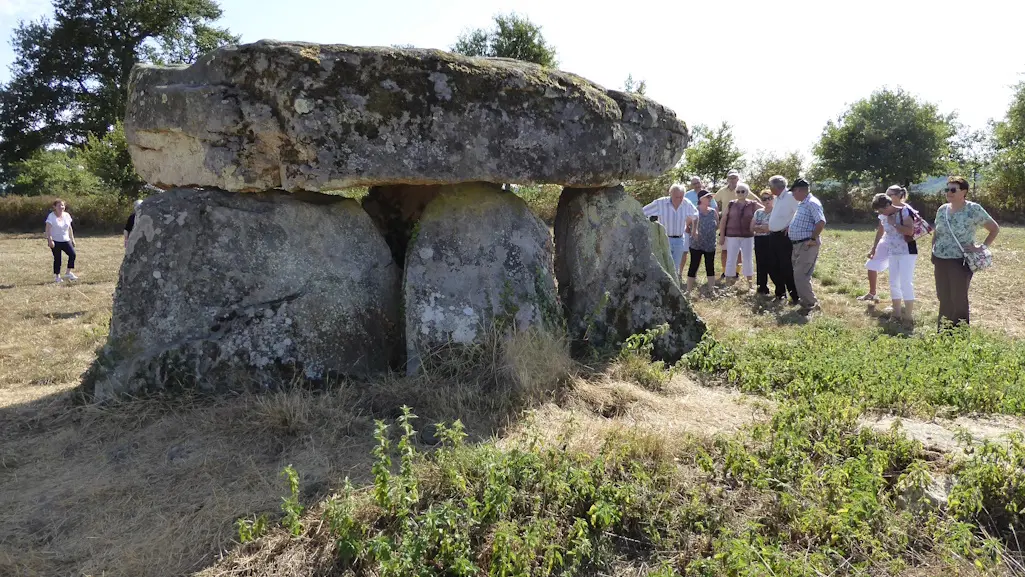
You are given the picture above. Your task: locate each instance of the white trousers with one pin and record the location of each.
(902, 277)
(736, 245)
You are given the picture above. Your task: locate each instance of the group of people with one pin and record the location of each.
(778, 234)
(779, 231)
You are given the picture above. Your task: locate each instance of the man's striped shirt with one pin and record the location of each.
(673, 219)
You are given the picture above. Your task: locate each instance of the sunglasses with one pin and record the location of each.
(953, 190)
(766, 198)
(741, 192)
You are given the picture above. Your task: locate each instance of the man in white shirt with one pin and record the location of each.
(676, 214)
(781, 268)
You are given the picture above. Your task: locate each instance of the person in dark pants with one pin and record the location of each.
(60, 237)
(131, 220)
(781, 268)
(956, 224)
(703, 242)
(764, 260)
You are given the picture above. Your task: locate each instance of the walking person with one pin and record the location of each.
(702, 243)
(781, 263)
(878, 258)
(956, 225)
(902, 252)
(60, 237)
(735, 233)
(676, 214)
(804, 233)
(763, 244)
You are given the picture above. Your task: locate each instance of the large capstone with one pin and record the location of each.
(479, 261)
(297, 116)
(611, 264)
(220, 289)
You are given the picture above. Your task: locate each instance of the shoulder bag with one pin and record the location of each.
(976, 261)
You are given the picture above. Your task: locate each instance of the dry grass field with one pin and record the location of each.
(153, 486)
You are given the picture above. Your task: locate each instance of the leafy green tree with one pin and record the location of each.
(712, 154)
(766, 165)
(70, 72)
(513, 36)
(971, 151)
(55, 172)
(1008, 163)
(108, 159)
(890, 137)
(634, 86)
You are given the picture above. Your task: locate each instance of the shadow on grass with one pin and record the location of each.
(64, 316)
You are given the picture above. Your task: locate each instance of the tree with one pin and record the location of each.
(70, 73)
(766, 165)
(888, 138)
(1008, 164)
(55, 172)
(513, 36)
(970, 152)
(635, 87)
(712, 154)
(108, 159)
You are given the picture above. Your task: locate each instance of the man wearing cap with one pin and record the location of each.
(677, 215)
(804, 232)
(783, 210)
(723, 198)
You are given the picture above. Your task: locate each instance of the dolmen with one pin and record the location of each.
(246, 270)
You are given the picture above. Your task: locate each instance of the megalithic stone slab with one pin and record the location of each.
(296, 116)
(220, 289)
(479, 260)
(613, 282)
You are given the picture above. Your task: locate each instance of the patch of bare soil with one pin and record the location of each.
(597, 408)
(942, 434)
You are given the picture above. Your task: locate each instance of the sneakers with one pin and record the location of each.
(869, 297)
(58, 280)
(70, 276)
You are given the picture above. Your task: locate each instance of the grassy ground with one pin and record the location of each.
(625, 468)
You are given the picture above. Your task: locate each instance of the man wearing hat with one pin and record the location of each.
(723, 198)
(805, 231)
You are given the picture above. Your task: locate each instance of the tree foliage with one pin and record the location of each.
(971, 151)
(766, 165)
(1008, 163)
(712, 154)
(55, 172)
(70, 72)
(634, 86)
(513, 36)
(889, 137)
(108, 159)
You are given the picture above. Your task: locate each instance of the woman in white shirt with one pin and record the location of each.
(60, 237)
(898, 225)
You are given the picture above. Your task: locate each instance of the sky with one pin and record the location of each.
(776, 70)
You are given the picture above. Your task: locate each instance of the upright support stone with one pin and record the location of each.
(613, 280)
(479, 259)
(220, 289)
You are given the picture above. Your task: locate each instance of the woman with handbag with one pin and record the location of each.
(955, 255)
(901, 249)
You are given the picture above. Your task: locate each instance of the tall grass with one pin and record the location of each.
(95, 214)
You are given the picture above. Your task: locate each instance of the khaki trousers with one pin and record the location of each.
(804, 258)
